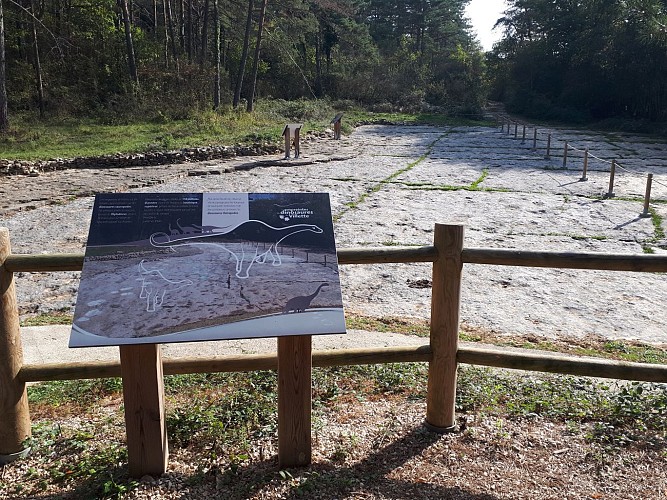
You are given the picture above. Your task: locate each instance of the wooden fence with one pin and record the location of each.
(443, 353)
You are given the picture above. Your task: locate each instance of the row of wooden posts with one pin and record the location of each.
(584, 176)
(142, 367)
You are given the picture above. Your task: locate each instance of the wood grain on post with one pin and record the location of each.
(14, 412)
(445, 306)
(143, 395)
(294, 400)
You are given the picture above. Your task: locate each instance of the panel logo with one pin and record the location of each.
(288, 214)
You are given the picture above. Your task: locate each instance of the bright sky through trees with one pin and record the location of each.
(483, 14)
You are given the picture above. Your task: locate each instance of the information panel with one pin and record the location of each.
(181, 267)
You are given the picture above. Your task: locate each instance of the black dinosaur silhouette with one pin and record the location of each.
(302, 302)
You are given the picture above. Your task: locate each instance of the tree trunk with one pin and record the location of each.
(189, 32)
(244, 56)
(36, 63)
(216, 80)
(170, 22)
(4, 121)
(255, 64)
(128, 43)
(204, 35)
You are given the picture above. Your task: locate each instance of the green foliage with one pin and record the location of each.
(582, 61)
(399, 54)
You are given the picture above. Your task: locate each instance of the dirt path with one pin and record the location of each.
(388, 186)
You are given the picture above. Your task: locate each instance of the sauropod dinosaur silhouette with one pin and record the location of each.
(302, 302)
(274, 235)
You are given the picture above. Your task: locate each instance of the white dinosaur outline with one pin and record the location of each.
(271, 253)
(151, 292)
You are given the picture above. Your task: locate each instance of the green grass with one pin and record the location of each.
(52, 318)
(32, 139)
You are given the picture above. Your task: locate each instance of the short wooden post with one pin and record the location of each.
(297, 145)
(523, 135)
(445, 307)
(294, 400)
(14, 413)
(143, 395)
(565, 156)
(288, 142)
(534, 139)
(509, 123)
(583, 174)
(516, 128)
(548, 155)
(647, 196)
(612, 173)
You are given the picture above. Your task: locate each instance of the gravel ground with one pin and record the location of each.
(388, 186)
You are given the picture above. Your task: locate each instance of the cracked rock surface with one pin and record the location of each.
(389, 185)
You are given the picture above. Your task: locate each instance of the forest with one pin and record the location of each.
(117, 61)
(169, 58)
(583, 61)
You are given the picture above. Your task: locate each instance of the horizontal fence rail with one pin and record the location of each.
(528, 361)
(403, 255)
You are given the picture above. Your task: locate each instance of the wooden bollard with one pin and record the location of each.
(523, 135)
(508, 127)
(445, 310)
(294, 400)
(14, 413)
(516, 128)
(612, 173)
(647, 196)
(583, 174)
(565, 156)
(548, 155)
(534, 139)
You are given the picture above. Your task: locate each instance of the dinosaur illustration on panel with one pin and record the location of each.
(248, 230)
(154, 286)
(302, 302)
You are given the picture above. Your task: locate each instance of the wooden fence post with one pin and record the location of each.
(14, 413)
(516, 129)
(612, 174)
(647, 196)
(523, 135)
(583, 174)
(509, 123)
(534, 139)
(445, 306)
(548, 146)
(294, 400)
(565, 156)
(143, 396)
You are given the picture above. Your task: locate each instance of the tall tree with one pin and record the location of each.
(244, 56)
(216, 80)
(255, 63)
(4, 119)
(129, 45)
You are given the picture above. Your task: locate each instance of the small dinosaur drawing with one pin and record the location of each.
(186, 229)
(154, 286)
(302, 302)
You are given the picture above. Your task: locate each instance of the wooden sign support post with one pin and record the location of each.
(14, 413)
(294, 400)
(143, 394)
